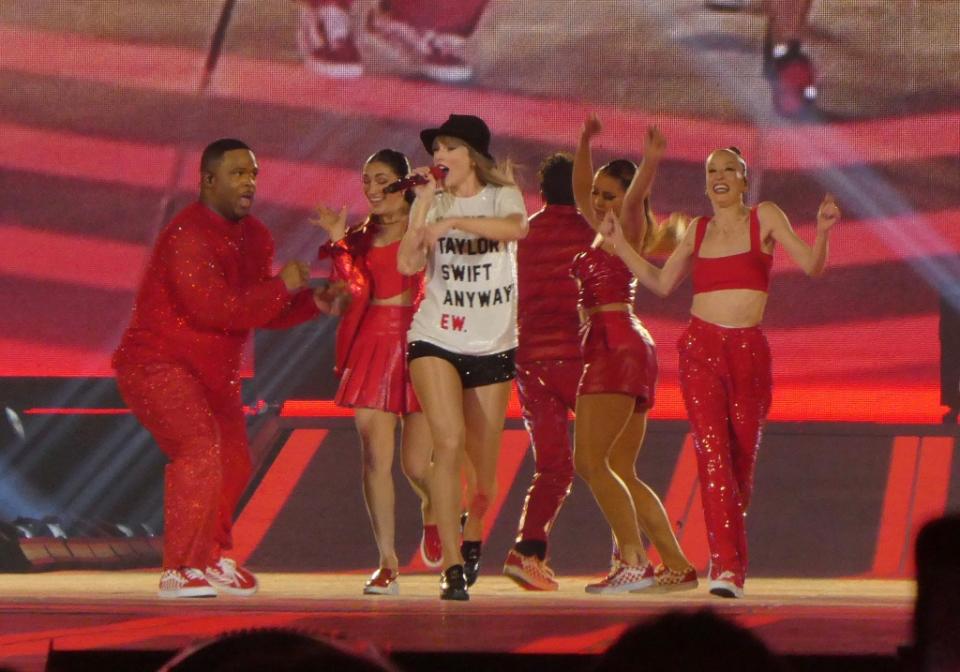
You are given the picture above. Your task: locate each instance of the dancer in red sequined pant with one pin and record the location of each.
(724, 356)
(208, 283)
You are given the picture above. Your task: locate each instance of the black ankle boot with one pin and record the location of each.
(453, 585)
(471, 560)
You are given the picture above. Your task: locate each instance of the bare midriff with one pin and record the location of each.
(730, 307)
(404, 298)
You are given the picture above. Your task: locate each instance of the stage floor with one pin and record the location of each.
(119, 610)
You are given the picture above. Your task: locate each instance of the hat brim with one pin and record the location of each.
(429, 135)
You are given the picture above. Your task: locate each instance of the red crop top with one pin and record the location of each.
(382, 265)
(747, 270)
(603, 277)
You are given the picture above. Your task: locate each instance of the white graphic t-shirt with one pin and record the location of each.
(470, 300)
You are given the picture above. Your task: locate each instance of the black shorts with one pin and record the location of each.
(474, 370)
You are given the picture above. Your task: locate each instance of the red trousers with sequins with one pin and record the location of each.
(547, 391)
(203, 431)
(726, 382)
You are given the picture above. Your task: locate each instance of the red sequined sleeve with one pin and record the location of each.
(201, 285)
(301, 308)
(342, 263)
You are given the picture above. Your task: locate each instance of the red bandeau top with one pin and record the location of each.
(747, 270)
(382, 265)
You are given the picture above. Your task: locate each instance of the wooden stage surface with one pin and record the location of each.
(75, 610)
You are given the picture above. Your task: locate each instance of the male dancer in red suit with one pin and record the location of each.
(208, 283)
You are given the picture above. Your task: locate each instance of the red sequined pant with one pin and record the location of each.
(547, 391)
(204, 434)
(726, 382)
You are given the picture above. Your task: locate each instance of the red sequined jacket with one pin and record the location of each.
(348, 257)
(547, 319)
(209, 281)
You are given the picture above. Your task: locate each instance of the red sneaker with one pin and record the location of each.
(382, 582)
(673, 580)
(529, 572)
(430, 548)
(439, 56)
(624, 578)
(229, 578)
(185, 582)
(326, 42)
(728, 585)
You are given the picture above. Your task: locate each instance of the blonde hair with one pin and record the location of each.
(488, 171)
(663, 238)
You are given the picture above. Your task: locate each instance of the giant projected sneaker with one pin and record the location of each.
(230, 579)
(326, 42)
(185, 582)
(437, 56)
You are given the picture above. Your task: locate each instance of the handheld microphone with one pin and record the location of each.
(414, 179)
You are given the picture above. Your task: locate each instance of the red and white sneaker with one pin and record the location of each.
(669, 580)
(529, 572)
(229, 578)
(624, 578)
(326, 42)
(726, 585)
(431, 551)
(185, 582)
(438, 56)
(383, 582)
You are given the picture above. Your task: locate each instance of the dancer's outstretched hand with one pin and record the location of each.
(591, 126)
(331, 221)
(612, 232)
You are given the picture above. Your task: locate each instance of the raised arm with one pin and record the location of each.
(811, 258)
(633, 213)
(583, 170)
(660, 281)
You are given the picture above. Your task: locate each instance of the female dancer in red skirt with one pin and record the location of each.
(371, 353)
(724, 356)
(619, 374)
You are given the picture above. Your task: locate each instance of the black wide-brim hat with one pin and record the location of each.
(472, 130)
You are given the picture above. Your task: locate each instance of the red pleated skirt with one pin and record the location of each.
(619, 356)
(376, 375)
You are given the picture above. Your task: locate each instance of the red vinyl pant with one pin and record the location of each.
(204, 434)
(547, 391)
(459, 17)
(726, 381)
